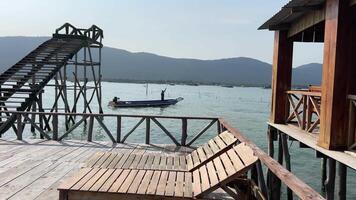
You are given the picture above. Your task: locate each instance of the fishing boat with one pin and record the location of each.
(145, 103)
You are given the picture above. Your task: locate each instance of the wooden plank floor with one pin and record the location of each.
(33, 169)
(311, 141)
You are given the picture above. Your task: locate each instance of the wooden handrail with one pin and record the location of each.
(110, 115)
(304, 92)
(301, 189)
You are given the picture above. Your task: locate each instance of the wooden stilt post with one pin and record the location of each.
(75, 85)
(330, 181)
(342, 181)
(287, 160)
(323, 173)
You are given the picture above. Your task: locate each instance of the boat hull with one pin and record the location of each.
(149, 103)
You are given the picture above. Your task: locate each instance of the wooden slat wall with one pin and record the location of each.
(281, 76)
(338, 74)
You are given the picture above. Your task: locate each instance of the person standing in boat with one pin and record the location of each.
(162, 94)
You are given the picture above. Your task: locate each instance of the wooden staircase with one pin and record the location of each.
(21, 83)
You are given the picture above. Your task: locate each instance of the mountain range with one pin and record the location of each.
(121, 65)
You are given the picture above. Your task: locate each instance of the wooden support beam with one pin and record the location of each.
(90, 130)
(338, 74)
(330, 181)
(281, 76)
(19, 127)
(342, 181)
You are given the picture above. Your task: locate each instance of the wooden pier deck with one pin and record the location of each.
(33, 169)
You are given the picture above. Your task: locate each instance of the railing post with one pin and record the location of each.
(19, 127)
(55, 127)
(118, 129)
(218, 126)
(148, 128)
(184, 132)
(90, 130)
(351, 125)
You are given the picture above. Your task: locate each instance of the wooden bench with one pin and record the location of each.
(115, 183)
(214, 147)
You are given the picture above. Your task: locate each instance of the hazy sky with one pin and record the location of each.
(204, 29)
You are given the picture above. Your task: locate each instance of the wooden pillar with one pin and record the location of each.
(281, 76)
(338, 74)
(118, 129)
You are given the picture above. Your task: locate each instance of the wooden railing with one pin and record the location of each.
(275, 170)
(352, 122)
(304, 109)
(93, 33)
(47, 123)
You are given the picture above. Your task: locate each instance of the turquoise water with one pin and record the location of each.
(243, 107)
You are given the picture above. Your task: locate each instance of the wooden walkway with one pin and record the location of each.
(33, 169)
(348, 158)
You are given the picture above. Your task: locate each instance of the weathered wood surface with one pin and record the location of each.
(92, 183)
(311, 141)
(214, 147)
(34, 168)
(301, 189)
(281, 76)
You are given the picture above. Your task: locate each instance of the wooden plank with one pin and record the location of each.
(108, 161)
(110, 181)
(169, 162)
(135, 162)
(220, 143)
(145, 182)
(161, 187)
(176, 164)
(213, 146)
(136, 182)
(152, 187)
(189, 159)
(75, 179)
(208, 151)
(220, 169)
(229, 168)
(212, 174)
(142, 162)
(235, 159)
(149, 162)
(170, 188)
(84, 179)
(205, 184)
(246, 154)
(115, 160)
(163, 163)
(119, 181)
(128, 181)
(93, 180)
(103, 179)
(196, 182)
(179, 189)
(195, 157)
(183, 163)
(156, 162)
(122, 160)
(188, 188)
(201, 154)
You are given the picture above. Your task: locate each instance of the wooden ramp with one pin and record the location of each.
(117, 183)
